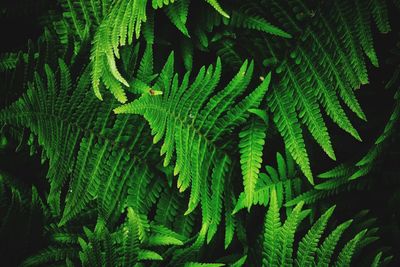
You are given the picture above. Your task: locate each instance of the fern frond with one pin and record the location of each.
(49, 255)
(279, 240)
(380, 14)
(282, 180)
(286, 236)
(325, 251)
(252, 139)
(177, 13)
(364, 33)
(309, 113)
(377, 260)
(287, 123)
(217, 189)
(230, 221)
(131, 238)
(92, 150)
(346, 254)
(217, 7)
(324, 64)
(308, 244)
(8, 61)
(272, 224)
(241, 19)
(190, 124)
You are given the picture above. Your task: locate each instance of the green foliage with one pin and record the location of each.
(251, 145)
(319, 69)
(282, 179)
(8, 61)
(279, 238)
(153, 156)
(191, 124)
(349, 174)
(119, 27)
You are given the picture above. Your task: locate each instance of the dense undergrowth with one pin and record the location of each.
(200, 133)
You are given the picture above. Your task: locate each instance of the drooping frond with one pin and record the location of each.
(243, 20)
(287, 123)
(346, 254)
(121, 26)
(191, 123)
(282, 179)
(88, 150)
(279, 240)
(325, 251)
(271, 232)
(217, 7)
(308, 244)
(348, 174)
(178, 13)
(319, 68)
(252, 139)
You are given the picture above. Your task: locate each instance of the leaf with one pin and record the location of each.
(252, 139)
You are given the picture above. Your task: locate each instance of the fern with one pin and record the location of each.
(57, 120)
(163, 183)
(122, 24)
(124, 247)
(256, 23)
(348, 174)
(191, 124)
(272, 224)
(251, 145)
(279, 239)
(324, 65)
(287, 123)
(8, 61)
(282, 179)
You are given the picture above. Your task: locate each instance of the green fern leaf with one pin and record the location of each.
(288, 125)
(217, 7)
(217, 189)
(177, 13)
(380, 14)
(230, 222)
(252, 139)
(239, 19)
(310, 115)
(364, 33)
(377, 259)
(191, 124)
(308, 244)
(325, 251)
(286, 236)
(145, 254)
(272, 226)
(345, 255)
